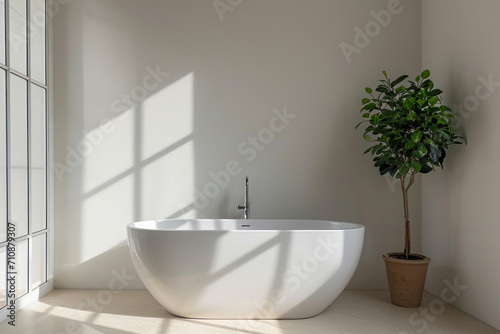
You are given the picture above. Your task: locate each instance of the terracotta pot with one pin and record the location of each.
(406, 278)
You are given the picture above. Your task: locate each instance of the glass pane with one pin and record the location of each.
(37, 40)
(17, 38)
(18, 154)
(2, 31)
(39, 261)
(38, 199)
(3, 277)
(3, 160)
(21, 261)
(38, 172)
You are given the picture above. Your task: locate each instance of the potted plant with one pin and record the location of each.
(411, 131)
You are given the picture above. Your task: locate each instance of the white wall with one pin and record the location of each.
(460, 205)
(225, 78)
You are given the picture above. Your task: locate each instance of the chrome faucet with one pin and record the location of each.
(246, 206)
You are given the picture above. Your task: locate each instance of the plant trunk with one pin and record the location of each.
(404, 189)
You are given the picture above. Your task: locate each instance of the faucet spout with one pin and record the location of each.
(245, 206)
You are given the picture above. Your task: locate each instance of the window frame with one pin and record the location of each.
(47, 285)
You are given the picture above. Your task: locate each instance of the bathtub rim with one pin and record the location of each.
(350, 226)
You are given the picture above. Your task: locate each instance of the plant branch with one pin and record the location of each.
(412, 179)
(406, 214)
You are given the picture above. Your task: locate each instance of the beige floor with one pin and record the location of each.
(135, 311)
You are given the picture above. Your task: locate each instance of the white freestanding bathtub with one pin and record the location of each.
(245, 269)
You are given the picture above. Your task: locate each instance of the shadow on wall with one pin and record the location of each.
(138, 152)
(162, 109)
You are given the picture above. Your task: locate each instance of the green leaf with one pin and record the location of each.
(425, 169)
(416, 166)
(366, 115)
(441, 157)
(367, 137)
(430, 142)
(375, 119)
(442, 120)
(368, 90)
(369, 149)
(409, 104)
(445, 134)
(409, 145)
(425, 74)
(385, 74)
(416, 136)
(382, 89)
(405, 168)
(435, 154)
(435, 92)
(411, 116)
(357, 126)
(380, 149)
(420, 152)
(376, 147)
(369, 106)
(398, 80)
(385, 168)
(381, 161)
(365, 101)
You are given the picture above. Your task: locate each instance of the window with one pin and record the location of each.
(23, 146)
